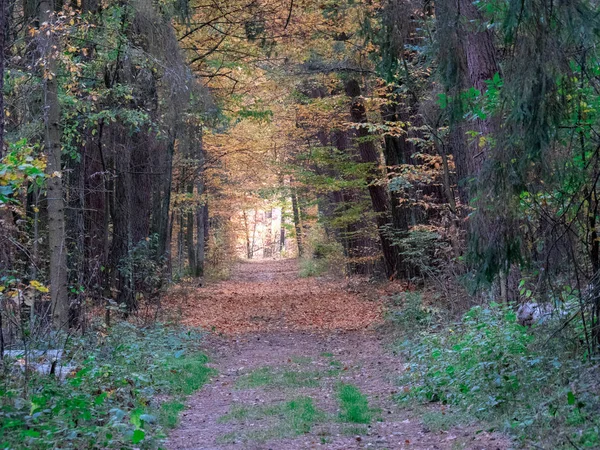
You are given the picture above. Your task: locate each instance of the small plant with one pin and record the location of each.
(312, 268)
(353, 404)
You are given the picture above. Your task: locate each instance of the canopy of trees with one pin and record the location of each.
(145, 141)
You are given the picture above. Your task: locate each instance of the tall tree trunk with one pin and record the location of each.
(247, 233)
(121, 219)
(297, 221)
(378, 193)
(54, 186)
(3, 27)
(469, 48)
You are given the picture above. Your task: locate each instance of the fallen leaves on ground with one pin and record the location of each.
(269, 295)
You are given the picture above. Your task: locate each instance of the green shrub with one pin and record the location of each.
(312, 267)
(499, 371)
(325, 254)
(106, 403)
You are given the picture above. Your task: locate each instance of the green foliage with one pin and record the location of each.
(326, 254)
(312, 268)
(106, 401)
(353, 404)
(144, 267)
(413, 314)
(18, 167)
(168, 414)
(494, 369)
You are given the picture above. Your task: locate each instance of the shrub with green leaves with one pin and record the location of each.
(106, 402)
(520, 379)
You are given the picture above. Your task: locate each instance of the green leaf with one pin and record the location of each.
(100, 399)
(31, 433)
(571, 398)
(138, 436)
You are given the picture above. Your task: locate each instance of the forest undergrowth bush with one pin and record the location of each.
(109, 398)
(322, 255)
(536, 383)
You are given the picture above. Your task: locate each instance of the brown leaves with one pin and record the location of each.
(276, 299)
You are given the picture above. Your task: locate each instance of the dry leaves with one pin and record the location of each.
(269, 295)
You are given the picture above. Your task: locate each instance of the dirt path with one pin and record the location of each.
(301, 367)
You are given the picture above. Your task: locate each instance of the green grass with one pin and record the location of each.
(353, 404)
(185, 375)
(291, 418)
(168, 414)
(269, 377)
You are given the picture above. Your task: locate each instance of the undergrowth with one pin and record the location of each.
(533, 382)
(106, 402)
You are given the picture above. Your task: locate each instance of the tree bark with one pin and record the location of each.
(3, 27)
(476, 62)
(54, 186)
(378, 193)
(297, 222)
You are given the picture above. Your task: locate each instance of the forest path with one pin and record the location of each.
(300, 366)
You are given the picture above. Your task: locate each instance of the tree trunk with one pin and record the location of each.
(297, 222)
(378, 193)
(3, 27)
(121, 219)
(54, 188)
(475, 57)
(247, 233)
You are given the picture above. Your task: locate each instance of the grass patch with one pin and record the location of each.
(185, 375)
(353, 404)
(291, 418)
(336, 365)
(269, 377)
(168, 413)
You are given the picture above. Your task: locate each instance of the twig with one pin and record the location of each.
(572, 443)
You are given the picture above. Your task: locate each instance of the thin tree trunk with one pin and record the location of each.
(202, 208)
(121, 215)
(297, 222)
(247, 232)
(54, 186)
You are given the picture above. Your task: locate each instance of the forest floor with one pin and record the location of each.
(302, 363)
